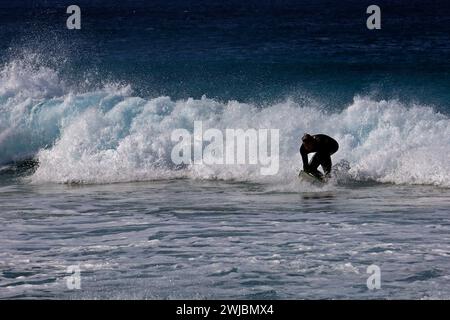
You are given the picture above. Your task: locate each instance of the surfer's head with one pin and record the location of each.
(308, 141)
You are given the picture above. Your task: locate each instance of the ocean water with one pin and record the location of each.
(87, 180)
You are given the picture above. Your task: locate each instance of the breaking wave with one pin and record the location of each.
(108, 135)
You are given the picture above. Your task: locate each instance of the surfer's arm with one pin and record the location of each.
(304, 155)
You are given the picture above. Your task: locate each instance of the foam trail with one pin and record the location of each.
(108, 135)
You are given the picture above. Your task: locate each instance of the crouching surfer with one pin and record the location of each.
(323, 146)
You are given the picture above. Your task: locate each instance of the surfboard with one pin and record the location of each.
(308, 177)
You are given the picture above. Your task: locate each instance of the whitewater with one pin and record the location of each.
(108, 135)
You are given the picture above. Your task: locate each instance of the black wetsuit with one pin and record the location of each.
(324, 147)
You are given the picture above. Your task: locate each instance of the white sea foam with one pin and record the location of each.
(109, 135)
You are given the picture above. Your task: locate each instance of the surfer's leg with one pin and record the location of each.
(314, 164)
(326, 164)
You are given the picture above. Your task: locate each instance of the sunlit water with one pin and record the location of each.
(187, 239)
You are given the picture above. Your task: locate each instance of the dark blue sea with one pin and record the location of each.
(87, 178)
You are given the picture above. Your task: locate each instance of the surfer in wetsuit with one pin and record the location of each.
(324, 146)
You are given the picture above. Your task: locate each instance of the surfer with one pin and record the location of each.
(324, 146)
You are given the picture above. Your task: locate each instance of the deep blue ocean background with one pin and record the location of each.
(245, 50)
